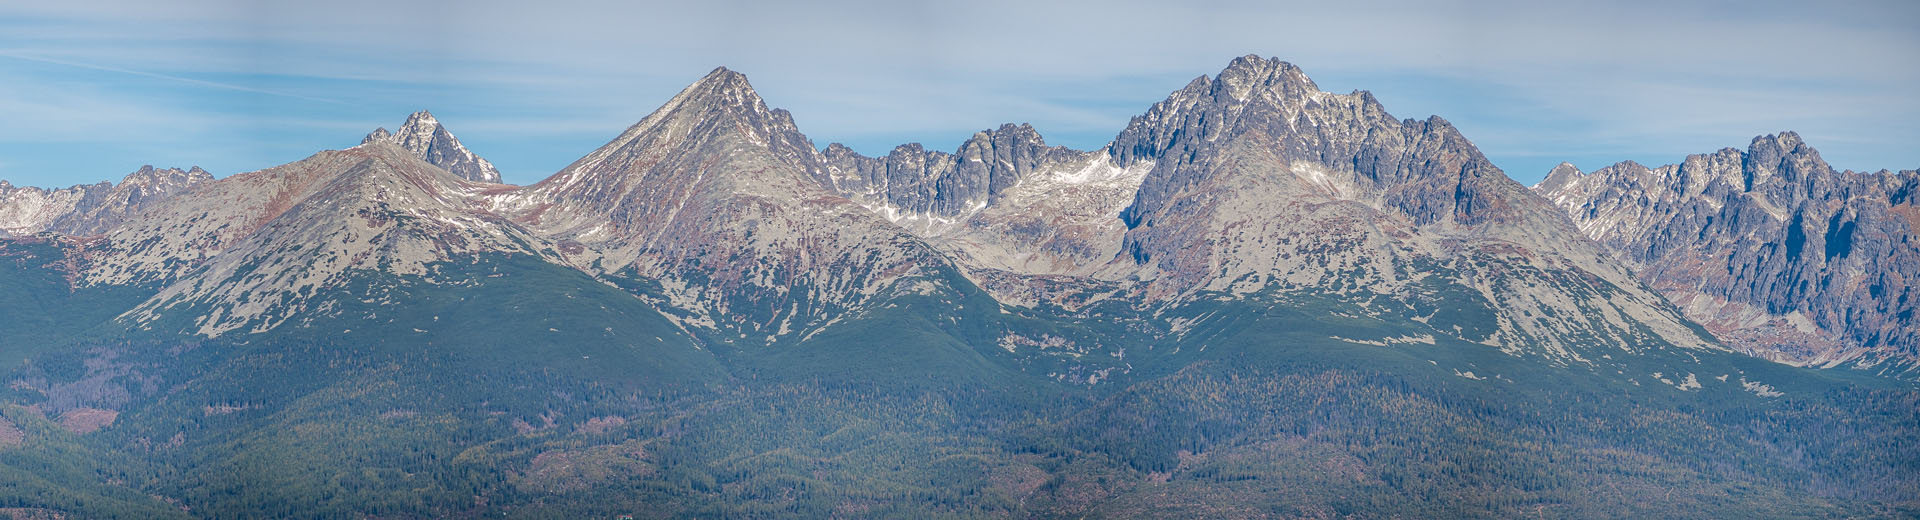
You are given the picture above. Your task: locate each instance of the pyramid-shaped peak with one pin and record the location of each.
(721, 88)
(420, 127)
(724, 78)
(722, 102)
(1559, 176)
(1628, 165)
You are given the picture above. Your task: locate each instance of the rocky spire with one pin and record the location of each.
(426, 138)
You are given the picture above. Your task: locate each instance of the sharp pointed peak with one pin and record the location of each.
(722, 73)
(1559, 176)
(720, 95)
(723, 87)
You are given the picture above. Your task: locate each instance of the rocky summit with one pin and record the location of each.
(1260, 299)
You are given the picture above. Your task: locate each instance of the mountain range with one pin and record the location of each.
(88, 209)
(1259, 299)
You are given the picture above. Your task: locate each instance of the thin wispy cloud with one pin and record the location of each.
(169, 77)
(1531, 82)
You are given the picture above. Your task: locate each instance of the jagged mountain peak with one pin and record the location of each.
(1778, 169)
(419, 131)
(1787, 140)
(1260, 180)
(1772, 148)
(1271, 106)
(1251, 93)
(1782, 158)
(1249, 75)
(424, 137)
(927, 190)
(148, 175)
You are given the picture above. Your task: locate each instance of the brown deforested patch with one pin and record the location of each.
(87, 420)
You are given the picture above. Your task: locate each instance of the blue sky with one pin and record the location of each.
(92, 90)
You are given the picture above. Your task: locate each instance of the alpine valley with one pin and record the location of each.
(1259, 300)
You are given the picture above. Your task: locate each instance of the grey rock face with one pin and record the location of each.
(1770, 248)
(90, 209)
(428, 140)
(914, 180)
